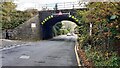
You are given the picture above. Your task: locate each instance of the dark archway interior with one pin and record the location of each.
(48, 25)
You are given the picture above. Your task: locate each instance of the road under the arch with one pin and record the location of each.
(48, 25)
(56, 52)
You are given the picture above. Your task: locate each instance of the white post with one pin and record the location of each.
(90, 29)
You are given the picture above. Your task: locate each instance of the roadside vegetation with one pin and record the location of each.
(11, 18)
(61, 28)
(56, 29)
(102, 48)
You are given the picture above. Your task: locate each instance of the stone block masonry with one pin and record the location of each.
(25, 31)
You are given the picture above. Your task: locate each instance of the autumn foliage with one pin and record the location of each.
(103, 47)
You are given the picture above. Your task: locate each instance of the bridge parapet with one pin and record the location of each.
(45, 14)
(62, 6)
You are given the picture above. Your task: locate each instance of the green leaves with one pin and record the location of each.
(12, 18)
(105, 31)
(56, 28)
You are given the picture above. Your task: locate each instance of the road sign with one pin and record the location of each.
(60, 13)
(33, 25)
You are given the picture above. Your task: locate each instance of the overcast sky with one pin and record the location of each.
(25, 4)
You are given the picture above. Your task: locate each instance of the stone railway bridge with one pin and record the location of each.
(40, 26)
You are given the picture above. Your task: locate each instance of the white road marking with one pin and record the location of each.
(77, 57)
(24, 57)
(6, 48)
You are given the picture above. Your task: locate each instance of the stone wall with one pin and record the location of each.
(25, 31)
(0, 30)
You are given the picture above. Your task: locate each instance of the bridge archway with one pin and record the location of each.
(50, 21)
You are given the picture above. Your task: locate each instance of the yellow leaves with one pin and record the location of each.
(118, 36)
(8, 18)
(106, 54)
(117, 26)
(111, 24)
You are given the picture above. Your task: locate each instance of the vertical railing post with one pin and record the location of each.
(73, 5)
(56, 7)
(64, 5)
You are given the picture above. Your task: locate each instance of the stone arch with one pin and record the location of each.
(51, 20)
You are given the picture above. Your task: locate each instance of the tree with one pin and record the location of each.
(56, 28)
(11, 18)
(7, 8)
(106, 31)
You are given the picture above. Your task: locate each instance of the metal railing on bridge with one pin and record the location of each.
(52, 6)
(62, 6)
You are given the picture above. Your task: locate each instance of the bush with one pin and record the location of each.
(102, 59)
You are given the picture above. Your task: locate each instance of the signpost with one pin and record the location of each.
(33, 26)
(90, 29)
